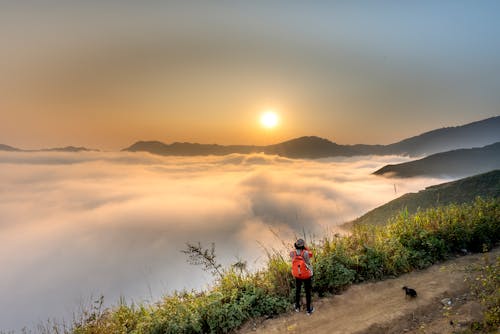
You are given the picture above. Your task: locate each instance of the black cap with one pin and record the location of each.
(299, 243)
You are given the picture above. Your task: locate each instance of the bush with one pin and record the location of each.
(331, 275)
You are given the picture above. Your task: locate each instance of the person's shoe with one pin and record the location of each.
(309, 312)
(297, 309)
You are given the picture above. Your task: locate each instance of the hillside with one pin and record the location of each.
(460, 191)
(475, 134)
(444, 305)
(457, 163)
(311, 147)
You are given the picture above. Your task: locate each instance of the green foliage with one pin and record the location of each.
(486, 287)
(371, 252)
(332, 264)
(465, 190)
(278, 276)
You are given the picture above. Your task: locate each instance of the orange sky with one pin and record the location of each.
(107, 75)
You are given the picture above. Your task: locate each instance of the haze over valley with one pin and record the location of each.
(82, 224)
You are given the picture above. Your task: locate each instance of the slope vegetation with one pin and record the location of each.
(460, 191)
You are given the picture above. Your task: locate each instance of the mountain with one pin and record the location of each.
(56, 149)
(470, 135)
(460, 191)
(188, 149)
(310, 147)
(474, 134)
(8, 148)
(68, 149)
(456, 163)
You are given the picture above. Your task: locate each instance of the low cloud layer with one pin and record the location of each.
(76, 225)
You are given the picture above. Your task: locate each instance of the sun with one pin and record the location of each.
(269, 119)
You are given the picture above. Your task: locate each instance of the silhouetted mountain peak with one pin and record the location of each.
(475, 134)
(56, 149)
(69, 149)
(8, 148)
(308, 140)
(145, 145)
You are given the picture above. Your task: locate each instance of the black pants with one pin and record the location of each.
(307, 287)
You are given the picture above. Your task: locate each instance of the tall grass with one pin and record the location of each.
(484, 281)
(369, 253)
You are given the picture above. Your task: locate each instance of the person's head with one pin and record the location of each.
(299, 244)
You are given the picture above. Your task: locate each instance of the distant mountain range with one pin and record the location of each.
(486, 185)
(456, 163)
(474, 134)
(68, 149)
(466, 136)
(8, 148)
(56, 149)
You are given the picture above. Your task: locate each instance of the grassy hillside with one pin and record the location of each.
(371, 252)
(460, 191)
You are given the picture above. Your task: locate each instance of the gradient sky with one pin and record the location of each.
(105, 74)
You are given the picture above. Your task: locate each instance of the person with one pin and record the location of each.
(302, 253)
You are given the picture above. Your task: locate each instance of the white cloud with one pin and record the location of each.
(75, 225)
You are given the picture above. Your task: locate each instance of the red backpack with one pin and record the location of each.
(299, 266)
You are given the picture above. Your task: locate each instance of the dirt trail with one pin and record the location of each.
(381, 307)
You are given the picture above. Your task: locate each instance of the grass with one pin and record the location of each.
(484, 281)
(407, 242)
(465, 190)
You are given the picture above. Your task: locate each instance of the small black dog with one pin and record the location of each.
(410, 292)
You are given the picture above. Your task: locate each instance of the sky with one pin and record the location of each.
(104, 74)
(75, 226)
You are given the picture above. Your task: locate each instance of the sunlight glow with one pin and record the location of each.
(269, 119)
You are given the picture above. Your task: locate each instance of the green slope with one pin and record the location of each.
(460, 191)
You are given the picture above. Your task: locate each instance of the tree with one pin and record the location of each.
(197, 255)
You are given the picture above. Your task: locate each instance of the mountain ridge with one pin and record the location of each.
(459, 191)
(470, 135)
(54, 149)
(478, 133)
(8, 148)
(455, 163)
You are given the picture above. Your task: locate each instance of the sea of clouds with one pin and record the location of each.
(74, 226)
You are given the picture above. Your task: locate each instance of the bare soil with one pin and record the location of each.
(443, 305)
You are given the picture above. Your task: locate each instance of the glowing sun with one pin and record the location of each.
(269, 119)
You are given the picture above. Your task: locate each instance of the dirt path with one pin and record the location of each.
(381, 307)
